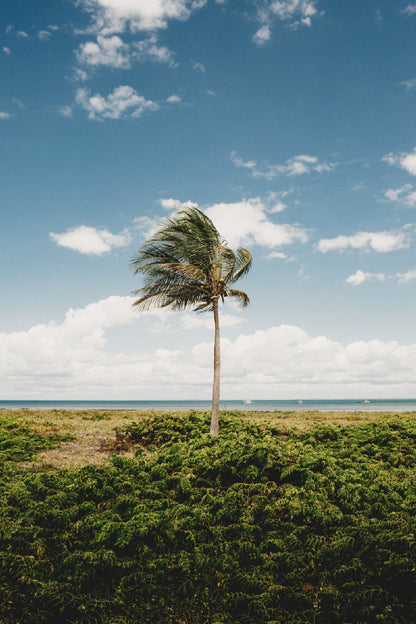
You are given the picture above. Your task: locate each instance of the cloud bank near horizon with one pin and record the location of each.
(74, 359)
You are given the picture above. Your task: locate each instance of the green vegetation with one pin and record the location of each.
(265, 524)
(187, 264)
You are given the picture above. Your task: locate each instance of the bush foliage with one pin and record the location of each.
(253, 527)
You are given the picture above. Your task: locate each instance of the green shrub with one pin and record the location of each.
(247, 528)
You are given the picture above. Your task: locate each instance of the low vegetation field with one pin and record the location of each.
(143, 518)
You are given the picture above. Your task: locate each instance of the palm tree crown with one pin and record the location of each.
(188, 264)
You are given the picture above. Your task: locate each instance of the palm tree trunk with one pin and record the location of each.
(217, 366)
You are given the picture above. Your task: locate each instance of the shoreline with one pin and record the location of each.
(269, 406)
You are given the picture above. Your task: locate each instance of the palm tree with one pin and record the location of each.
(188, 264)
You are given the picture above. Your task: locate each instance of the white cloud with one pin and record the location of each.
(247, 223)
(124, 101)
(108, 51)
(4, 115)
(382, 242)
(66, 111)
(170, 204)
(298, 165)
(44, 35)
(246, 164)
(241, 223)
(396, 194)
(295, 13)
(277, 207)
(262, 35)
(112, 51)
(150, 50)
(80, 75)
(409, 10)
(191, 320)
(288, 9)
(199, 67)
(406, 161)
(409, 84)
(6, 50)
(277, 254)
(409, 276)
(78, 359)
(174, 99)
(287, 361)
(90, 240)
(404, 195)
(110, 16)
(361, 276)
(22, 34)
(18, 103)
(147, 226)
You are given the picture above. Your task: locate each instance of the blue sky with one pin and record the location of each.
(290, 122)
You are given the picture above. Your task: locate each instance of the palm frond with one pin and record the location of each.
(243, 264)
(187, 263)
(242, 298)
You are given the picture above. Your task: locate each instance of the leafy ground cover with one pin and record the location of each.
(267, 524)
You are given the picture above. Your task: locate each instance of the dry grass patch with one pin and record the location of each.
(300, 421)
(97, 434)
(94, 435)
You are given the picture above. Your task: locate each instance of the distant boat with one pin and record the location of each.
(248, 402)
(365, 401)
(299, 402)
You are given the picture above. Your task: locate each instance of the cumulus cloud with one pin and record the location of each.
(150, 50)
(44, 35)
(316, 365)
(199, 67)
(409, 84)
(90, 240)
(4, 115)
(404, 195)
(410, 9)
(406, 161)
(409, 276)
(124, 101)
(295, 13)
(288, 9)
(174, 99)
(171, 204)
(65, 111)
(112, 51)
(362, 276)
(247, 223)
(298, 165)
(6, 50)
(77, 359)
(109, 51)
(147, 226)
(111, 16)
(382, 242)
(198, 321)
(277, 254)
(263, 35)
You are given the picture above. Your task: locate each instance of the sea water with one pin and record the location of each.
(367, 405)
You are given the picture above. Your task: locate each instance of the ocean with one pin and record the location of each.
(367, 405)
